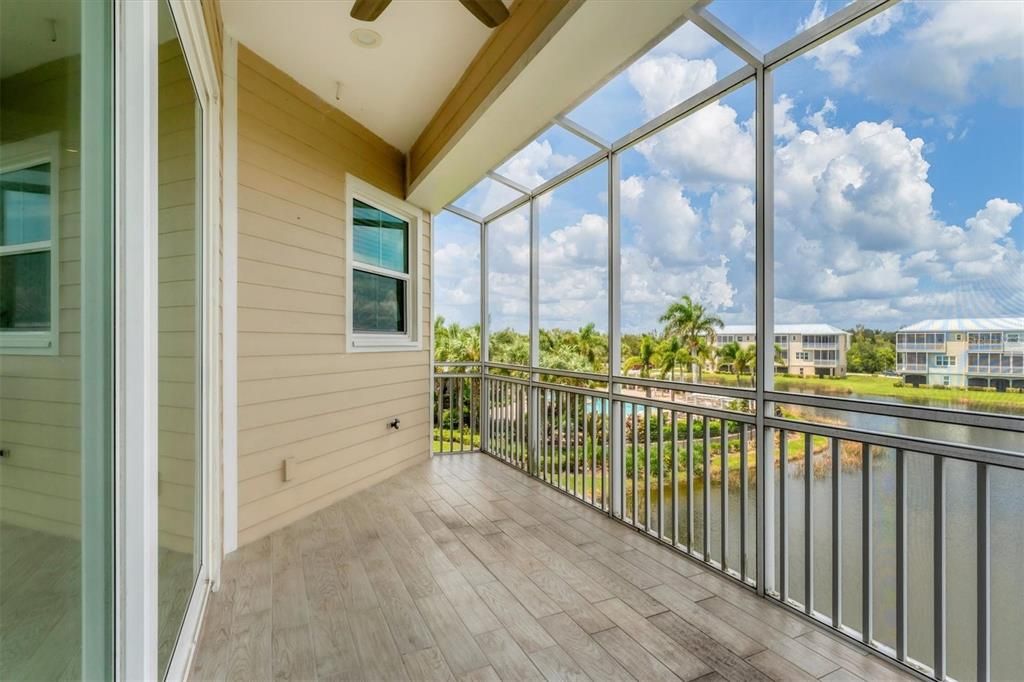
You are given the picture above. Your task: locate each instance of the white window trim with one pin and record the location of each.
(412, 340)
(16, 156)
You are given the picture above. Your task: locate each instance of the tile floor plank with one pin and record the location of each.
(464, 568)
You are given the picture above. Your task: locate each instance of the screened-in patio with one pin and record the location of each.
(580, 286)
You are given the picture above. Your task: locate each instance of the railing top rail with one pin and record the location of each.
(713, 412)
(933, 414)
(687, 387)
(456, 364)
(593, 392)
(971, 453)
(571, 374)
(511, 380)
(505, 365)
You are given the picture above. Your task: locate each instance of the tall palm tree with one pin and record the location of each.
(691, 322)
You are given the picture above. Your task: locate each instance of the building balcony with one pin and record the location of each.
(987, 370)
(985, 346)
(920, 346)
(912, 367)
(465, 568)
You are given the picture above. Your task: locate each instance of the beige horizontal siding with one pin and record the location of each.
(300, 394)
(40, 395)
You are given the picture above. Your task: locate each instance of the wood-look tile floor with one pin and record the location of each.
(463, 568)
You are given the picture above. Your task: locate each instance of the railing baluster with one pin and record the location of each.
(564, 458)
(743, 501)
(462, 444)
(451, 406)
(808, 525)
(636, 462)
(605, 446)
(901, 555)
(689, 482)
(837, 535)
(647, 469)
(984, 574)
(866, 548)
(593, 451)
(939, 566)
(724, 456)
(675, 479)
(783, 534)
(661, 479)
(707, 489)
(439, 397)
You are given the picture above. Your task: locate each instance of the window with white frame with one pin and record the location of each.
(383, 267)
(28, 245)
(945, 361)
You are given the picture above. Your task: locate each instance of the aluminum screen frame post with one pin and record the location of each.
(764, 300)
(617, 469)
(535, 433)
(484, 401)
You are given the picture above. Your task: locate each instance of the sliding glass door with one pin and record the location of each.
(56, 341)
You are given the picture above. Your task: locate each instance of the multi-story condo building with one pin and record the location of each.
(963, 352)
(804, 349)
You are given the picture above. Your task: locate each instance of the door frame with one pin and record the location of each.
(136, 159)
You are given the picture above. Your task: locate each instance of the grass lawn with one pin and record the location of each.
(864, 385)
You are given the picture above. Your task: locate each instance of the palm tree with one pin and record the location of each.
(691, 322)
(590, 343)
(645, 359)
(672, 353)
(745, 361)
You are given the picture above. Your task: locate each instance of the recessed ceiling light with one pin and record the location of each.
(364, 37)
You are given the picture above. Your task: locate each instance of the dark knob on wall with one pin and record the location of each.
(394, 424)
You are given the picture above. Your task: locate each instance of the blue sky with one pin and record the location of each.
(899, 176)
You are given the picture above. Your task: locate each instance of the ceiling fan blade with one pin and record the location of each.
(489, 12)
(368, 10)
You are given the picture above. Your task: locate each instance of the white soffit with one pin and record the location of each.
(393, 89)
(599, 38)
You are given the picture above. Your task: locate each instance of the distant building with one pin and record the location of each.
(805, 349)
(963, 352)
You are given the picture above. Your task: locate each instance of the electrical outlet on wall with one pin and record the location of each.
(290, 465)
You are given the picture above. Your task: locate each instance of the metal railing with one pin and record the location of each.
(686, 465)
(904, 345)
(456, 407)
(911, 367)
(574, 442)
(995, 369)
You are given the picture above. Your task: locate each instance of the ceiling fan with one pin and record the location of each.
(489, 12)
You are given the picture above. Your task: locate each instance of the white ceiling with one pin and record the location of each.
(392, 89)
(30, 39)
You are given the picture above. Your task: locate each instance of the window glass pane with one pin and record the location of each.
(574, 273)
(181, 372)
(25, 197)
(378, 303)
(25, 291)
(56, 416)
(688, 307)
(899, 192)
(485, 197)
(456, 266)
(679, 67)
(508, 288)
(554, 150)
(766, 25)
(379, 238)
